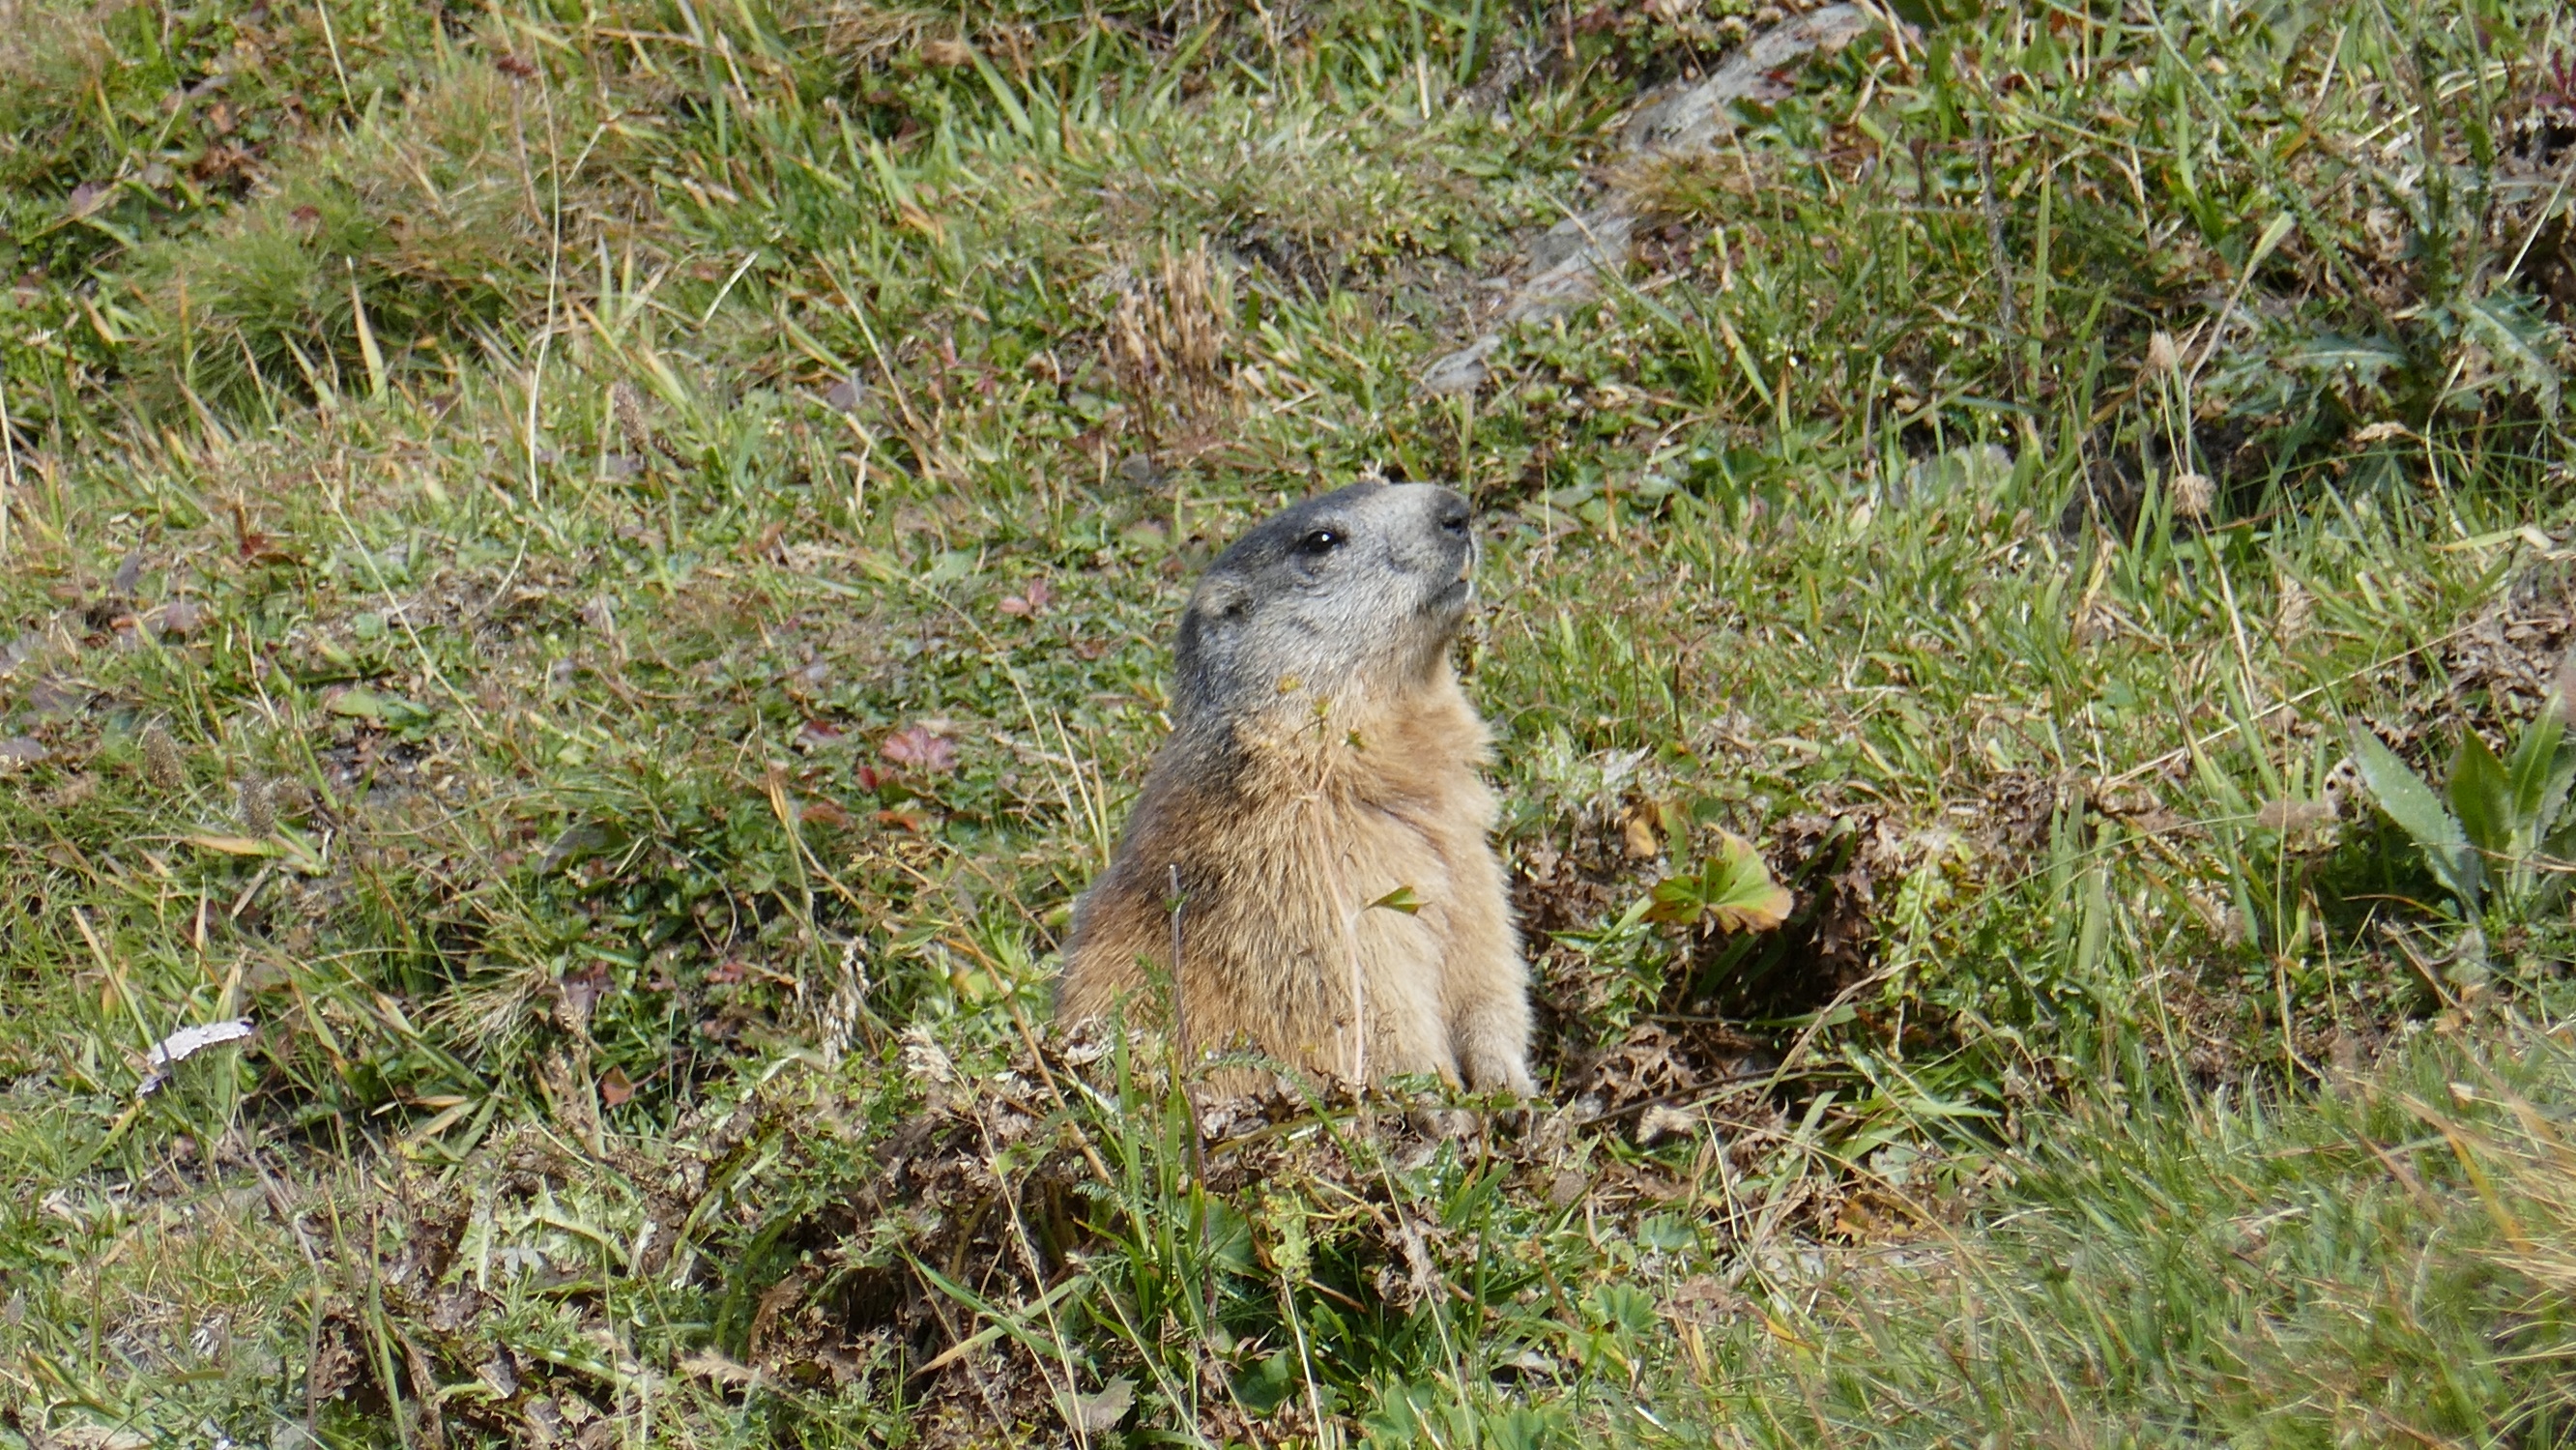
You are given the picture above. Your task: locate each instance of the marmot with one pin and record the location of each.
(1341, 909)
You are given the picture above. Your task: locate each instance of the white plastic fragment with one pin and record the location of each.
(185, 1043)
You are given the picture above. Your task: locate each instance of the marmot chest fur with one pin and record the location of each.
(1341, 909)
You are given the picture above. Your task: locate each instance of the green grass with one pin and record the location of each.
(605, 574)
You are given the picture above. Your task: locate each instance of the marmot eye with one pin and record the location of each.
(1319, 541)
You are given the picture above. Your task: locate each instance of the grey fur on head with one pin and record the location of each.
(1367, 583)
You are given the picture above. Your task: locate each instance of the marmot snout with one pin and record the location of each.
(1320, 796)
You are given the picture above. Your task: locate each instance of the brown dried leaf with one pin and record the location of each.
(916, 747)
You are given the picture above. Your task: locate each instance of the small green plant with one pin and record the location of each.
(2500, 835)
(1731, 890)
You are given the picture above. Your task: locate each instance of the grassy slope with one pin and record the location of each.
(603, 574)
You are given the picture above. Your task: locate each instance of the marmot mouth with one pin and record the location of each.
(1453, 595)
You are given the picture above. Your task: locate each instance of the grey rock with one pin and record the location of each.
(1567, 260)
(1561, 242)
(1460, 371)
(1601, 245)
(1696, 117)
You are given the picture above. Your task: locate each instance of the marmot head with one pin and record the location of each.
(1355, 594)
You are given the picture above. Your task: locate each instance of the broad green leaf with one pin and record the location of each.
(2535, 760)
(2526, 343)
(2365, 359)
(2482, 797)
(358, 703)
(361, 703)
(1731, 888)
(2553, 867)
(2553, 792)
(1674, 900)
(2420, 814)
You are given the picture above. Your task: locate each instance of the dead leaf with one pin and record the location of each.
(775, 1301)
(947, 52)
(2290, 816)
(1705, 1300)
(616, 1089)
(916, 747)
(1637, 834)
(181, 617)
(846, 395)
(707, 1364)
(1031, 601)
(256, 547)
(233, 845)
(1099, 1414)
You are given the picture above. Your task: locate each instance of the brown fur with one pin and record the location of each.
(1289, 812)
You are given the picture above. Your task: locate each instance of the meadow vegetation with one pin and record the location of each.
(601, 571)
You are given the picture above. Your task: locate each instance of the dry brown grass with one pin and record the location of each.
(1168, 344)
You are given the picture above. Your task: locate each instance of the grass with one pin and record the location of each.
(604, 572)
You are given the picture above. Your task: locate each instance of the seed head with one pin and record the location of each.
(162, 765)
(258, 811)
(2192, 495)
(2297, 609)
(628, 404)
(290, 798)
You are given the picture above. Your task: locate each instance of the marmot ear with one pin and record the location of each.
(1206, 626)
(1225, 599)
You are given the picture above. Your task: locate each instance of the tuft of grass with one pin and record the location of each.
(2360, 1264)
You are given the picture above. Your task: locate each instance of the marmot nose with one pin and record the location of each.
(1452, 515)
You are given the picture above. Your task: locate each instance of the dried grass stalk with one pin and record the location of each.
(1167, 345)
